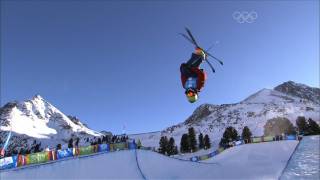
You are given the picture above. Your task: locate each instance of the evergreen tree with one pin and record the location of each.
(184, 144)
(246, 134)
(163, 144)
(302, 124)
(201, 143)
(175, 150)
(207, 143)
(192, 139)
(170, 147)
(229, 135)
(313, 127)
(70, 144)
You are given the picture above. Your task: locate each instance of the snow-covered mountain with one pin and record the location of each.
(37, 119)
(288, 100)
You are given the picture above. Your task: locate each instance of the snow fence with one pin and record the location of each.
(241, 142)
(43, 157)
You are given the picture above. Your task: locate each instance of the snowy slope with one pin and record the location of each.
(265, 160)
(253, 112)
(37, 119)
(305, 162)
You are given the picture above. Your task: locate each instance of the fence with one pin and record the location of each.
(241, 142)
(43, 157)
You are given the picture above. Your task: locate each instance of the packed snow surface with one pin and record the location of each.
(305, 162)
(253, 161)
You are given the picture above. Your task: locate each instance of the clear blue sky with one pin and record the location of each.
(116, 63)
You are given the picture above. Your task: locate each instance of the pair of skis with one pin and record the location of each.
(192, 40)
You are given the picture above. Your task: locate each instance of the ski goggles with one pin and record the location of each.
(190, 93)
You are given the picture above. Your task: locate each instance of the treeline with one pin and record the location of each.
(274, 127)
(307, 128)
(231, 134)
(188, 143)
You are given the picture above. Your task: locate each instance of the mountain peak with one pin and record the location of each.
(37, 97)
(300, 90)
(37, 119)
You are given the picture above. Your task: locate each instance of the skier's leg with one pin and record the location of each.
(185, 70)
(195, 60)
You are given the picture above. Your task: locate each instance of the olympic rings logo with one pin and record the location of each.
(245, 16)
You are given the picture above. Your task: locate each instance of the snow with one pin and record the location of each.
(262, 160)
(36, 128)
(305, 162)
(37, 119)
(147, 139)
(116, 165)
(253, 161)
(253, 112)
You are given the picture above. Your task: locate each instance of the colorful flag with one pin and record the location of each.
(5, 144)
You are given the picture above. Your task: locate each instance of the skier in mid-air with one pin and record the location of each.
(192, 77)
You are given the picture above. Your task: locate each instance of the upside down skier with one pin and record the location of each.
(192, 77)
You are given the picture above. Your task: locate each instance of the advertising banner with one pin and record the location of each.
(256, 139)
(64, 153)
(120, 146)
(291, 137)
(204, 157)
(194, 159)
(132, 145)
(86, 150)
(8, 162)
(267, 138)
(39, 157)
(22, 160)
(104, 148)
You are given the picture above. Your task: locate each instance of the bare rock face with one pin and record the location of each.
(300, 90)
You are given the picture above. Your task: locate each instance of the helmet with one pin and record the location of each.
(192, 95)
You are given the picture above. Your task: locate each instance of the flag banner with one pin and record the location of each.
(22, 160)
(86, 150)
(267, 138)
(194, 159)
(3, 150)
(40, 157)
(291, 137)
(64, 153)
(104, 148)
(132, 145)
(220, 149)
(120, 146)
(213, 154)
(204, 157)
(256, 139)
(237, 143)
(8, 162)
